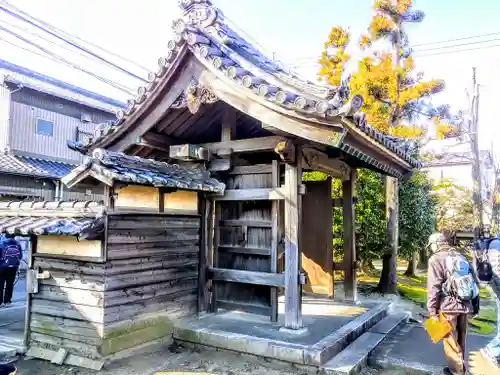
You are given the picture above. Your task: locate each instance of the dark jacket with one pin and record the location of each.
(437, 301)
(6, 243)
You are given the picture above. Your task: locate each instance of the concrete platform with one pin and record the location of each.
(331, 326)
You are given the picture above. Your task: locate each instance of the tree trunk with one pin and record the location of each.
(412, 265)
(423, 260)
(388, 279)
(367, 265)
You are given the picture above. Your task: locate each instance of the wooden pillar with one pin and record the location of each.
(349, 223)
(206, 216)
(293, 208)
(275, 239)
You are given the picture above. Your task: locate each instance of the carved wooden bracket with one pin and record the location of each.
(194, 96)
(320, 161)
(286, 151)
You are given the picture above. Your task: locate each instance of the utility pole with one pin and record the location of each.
(477, 198)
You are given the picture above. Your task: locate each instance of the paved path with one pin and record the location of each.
(12, 321)
(411, 349)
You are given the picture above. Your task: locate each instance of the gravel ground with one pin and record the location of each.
(181, 359)
(176, 359)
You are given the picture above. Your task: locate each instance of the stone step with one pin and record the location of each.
(353, 359)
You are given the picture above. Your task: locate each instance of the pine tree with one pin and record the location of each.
(393, 94)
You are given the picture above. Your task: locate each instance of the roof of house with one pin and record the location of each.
(83, 219)
(110, 167)
(32, 166)
(36, 81)
(204, 32)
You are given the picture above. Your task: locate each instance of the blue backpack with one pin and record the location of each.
(11, 255)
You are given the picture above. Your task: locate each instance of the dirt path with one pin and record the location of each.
(178, 359)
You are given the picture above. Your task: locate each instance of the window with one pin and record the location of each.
(44, 127)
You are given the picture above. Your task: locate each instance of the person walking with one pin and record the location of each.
(492, 350)
(451, 288)
(10, 259)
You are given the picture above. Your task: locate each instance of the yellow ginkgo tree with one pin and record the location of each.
(395, 94)
(393, 91)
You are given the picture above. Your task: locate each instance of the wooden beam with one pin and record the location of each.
(349, 224)
(293, 208)
(251, 169)
(327, 132)
(155, 141)
(244, 145)
(319, 161)
(253, 194)
(244, 250)
(247, 277)
(228, 126)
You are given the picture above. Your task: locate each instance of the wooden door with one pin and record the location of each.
(317, 246)
(244, 273)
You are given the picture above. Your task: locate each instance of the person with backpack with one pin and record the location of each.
(10, 259)
(492, 256)
(452, 286)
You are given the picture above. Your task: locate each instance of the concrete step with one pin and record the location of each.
(354, 358)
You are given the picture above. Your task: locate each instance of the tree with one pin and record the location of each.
(454, 206)
(393, 92)
(417, 218)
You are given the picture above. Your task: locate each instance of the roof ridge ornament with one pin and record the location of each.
(196, 13)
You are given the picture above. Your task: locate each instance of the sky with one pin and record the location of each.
(293, 30)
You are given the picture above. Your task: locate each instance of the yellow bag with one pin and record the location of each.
(438, 329)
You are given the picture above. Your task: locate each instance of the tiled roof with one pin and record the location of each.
(113, 166)
(36, 81)
(204, 31)
(31, 166)
(80, 219)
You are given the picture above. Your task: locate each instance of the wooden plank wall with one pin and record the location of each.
(244, 241)
(67, 311)
(150, 278)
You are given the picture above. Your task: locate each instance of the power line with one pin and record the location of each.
(48, 40)
(457, 39)
(314, 63)
(71, 43)
(458, 45)
(55, 29)
(75, 66)
(315, 58)
(458, 51)
(31, 51)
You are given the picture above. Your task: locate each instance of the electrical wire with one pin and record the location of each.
(31, 51)
(69, 63)
(306, 60)
(457, 39)
(48, 40)
(20, 17)
(55, 29)
(315, 63)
